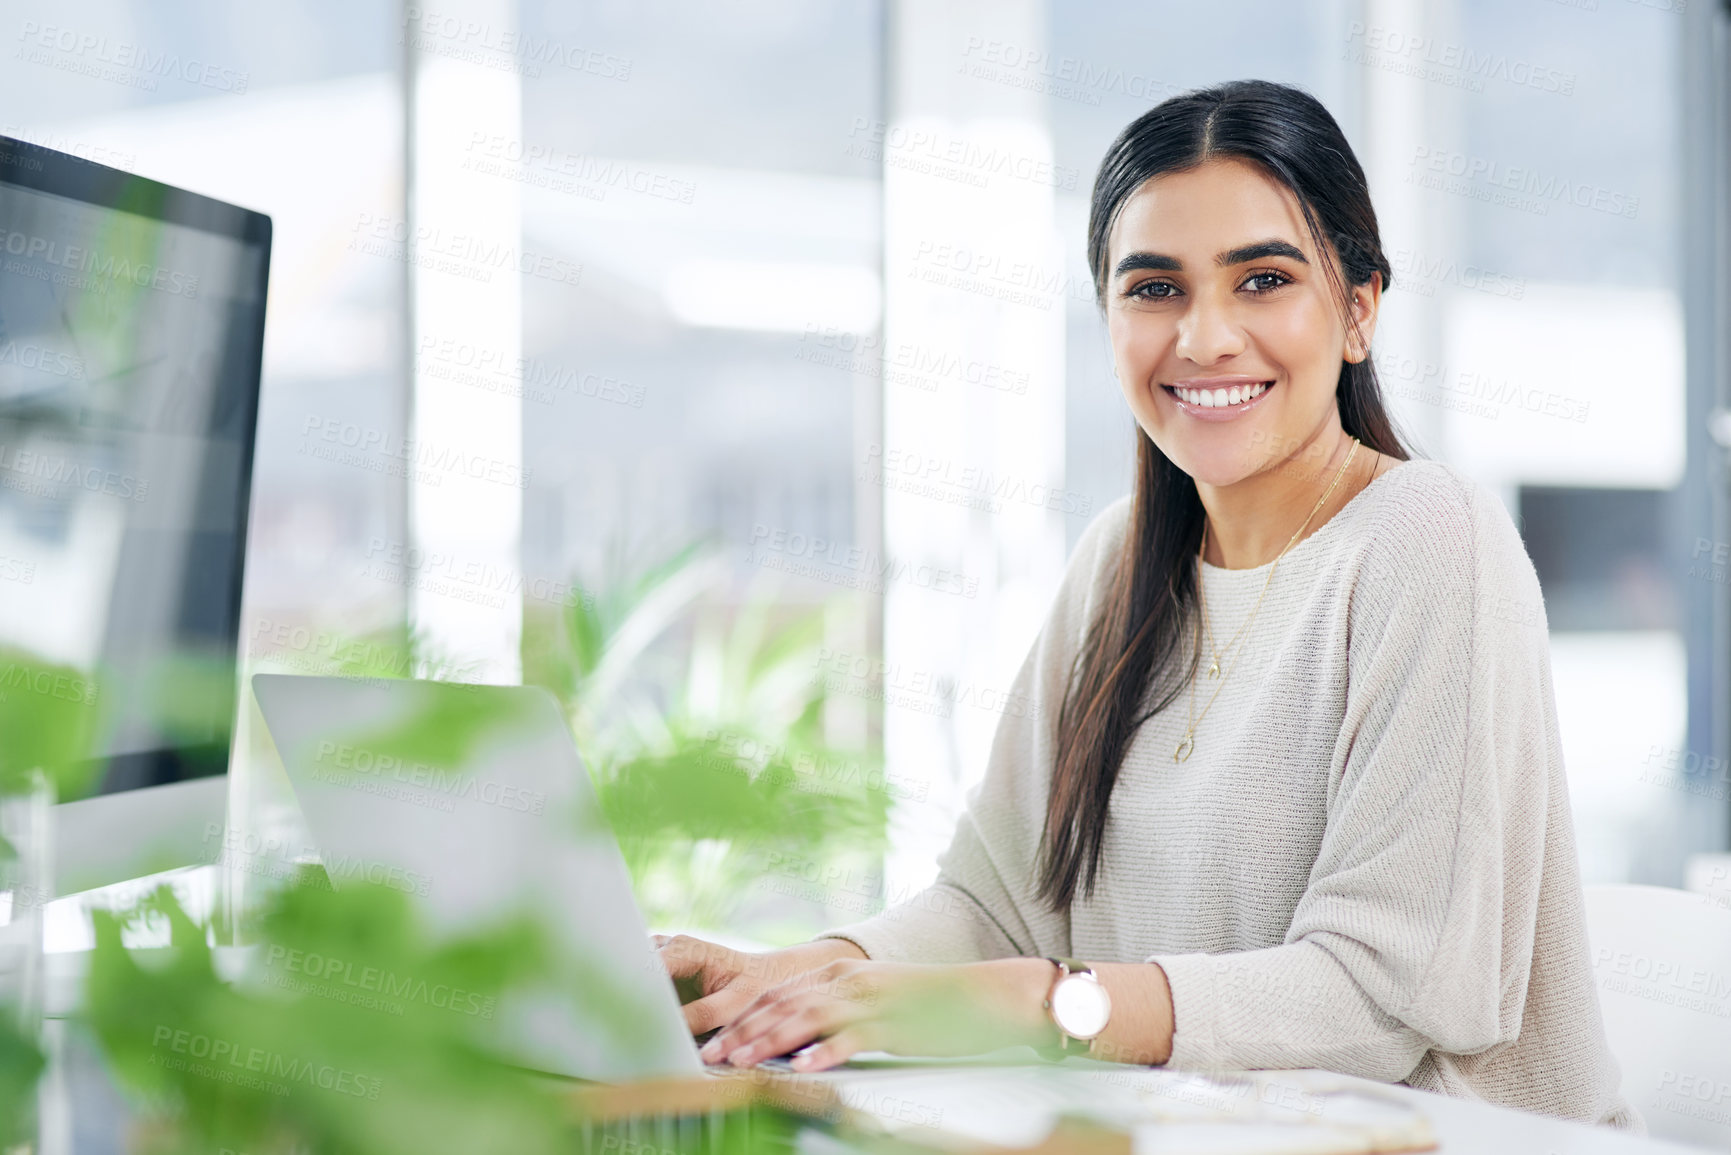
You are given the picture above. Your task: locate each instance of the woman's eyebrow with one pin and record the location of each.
(1255, 251)
(1261, 249)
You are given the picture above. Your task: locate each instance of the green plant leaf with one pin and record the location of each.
(361, 1033)
(21, 1064)
(51, 717)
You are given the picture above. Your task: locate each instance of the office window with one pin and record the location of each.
(708, 383)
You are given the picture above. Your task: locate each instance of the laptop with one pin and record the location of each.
(474, 799)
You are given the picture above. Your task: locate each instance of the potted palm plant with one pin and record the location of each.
(708, 731)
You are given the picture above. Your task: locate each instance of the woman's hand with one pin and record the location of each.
(855, 1005)
(717, 983)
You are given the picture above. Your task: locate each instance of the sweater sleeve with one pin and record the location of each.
(1416, 927)
(983, 904)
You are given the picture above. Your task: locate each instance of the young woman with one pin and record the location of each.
(1290, 792)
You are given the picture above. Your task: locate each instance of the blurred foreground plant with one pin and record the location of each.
(353, 1032)
(712, 759)
(21, 1063)
(51, 718)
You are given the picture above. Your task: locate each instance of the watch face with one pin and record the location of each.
(1081, 1005)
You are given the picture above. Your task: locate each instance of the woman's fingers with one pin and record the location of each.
(838, 1048)
(685, 957)
(743, 1019)
(706, 977)
(767, 1013)
(829, 997)
(746, 1026)
(715, 1010)
(803, 1021)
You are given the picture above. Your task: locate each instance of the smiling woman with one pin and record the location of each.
(1344, 840)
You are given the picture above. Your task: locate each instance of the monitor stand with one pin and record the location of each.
(114, 837)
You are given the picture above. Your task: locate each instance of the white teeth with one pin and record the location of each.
(1220, 398)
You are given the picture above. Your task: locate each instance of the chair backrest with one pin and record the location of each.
(1662, 960)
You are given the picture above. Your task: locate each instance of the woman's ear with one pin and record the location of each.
(1363, 304)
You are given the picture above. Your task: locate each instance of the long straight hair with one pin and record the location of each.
(1131, 650)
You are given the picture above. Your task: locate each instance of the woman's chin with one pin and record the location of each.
(1218, 470)
(1220, 480)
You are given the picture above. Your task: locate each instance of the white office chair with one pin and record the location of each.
(1662, 959)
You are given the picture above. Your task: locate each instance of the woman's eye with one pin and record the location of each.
(1266, 282)
(1154, 290)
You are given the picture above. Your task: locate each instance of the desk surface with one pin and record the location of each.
(83, 1111)
(1465, 1126)
(1457, 1125)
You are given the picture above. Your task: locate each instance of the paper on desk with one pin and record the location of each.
(1166, 1112)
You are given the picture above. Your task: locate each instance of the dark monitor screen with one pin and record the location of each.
(131, 336)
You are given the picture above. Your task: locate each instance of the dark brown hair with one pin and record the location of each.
(1131, 653)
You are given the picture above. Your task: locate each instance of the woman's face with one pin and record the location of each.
(1226, 336)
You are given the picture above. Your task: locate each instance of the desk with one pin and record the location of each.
(1464, 1126)
(1455, 1125)
(83, 1111)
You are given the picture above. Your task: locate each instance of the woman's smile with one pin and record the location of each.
(1217, 398)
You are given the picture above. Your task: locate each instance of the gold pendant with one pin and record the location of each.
(1185, 745)
(1214, 668)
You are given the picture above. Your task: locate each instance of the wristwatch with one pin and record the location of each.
(1078, 1003)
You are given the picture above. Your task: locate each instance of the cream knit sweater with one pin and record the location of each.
(1368, 863)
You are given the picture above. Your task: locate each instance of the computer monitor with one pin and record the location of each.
(131, 336)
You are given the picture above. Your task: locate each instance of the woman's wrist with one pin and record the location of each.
(1021, 986)
(1141, 1027)
(835, 948)
(809, 956)
(1138, 1031)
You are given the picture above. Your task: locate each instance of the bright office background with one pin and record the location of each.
(804, 279)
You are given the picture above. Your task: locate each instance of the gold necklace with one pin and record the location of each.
(1187, 744)
(1214, 650)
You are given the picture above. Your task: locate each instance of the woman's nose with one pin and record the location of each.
(1208, 333)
